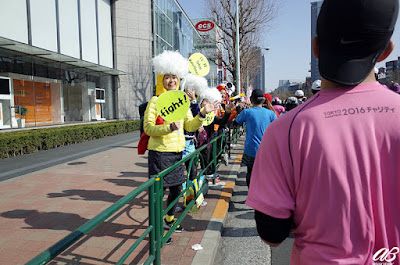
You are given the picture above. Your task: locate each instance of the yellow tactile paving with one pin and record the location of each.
(226, 194)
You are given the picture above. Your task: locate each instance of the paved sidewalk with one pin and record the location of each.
(39, 208)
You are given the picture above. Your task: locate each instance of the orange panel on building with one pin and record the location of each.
(36, 97)
(23, 96)
(43, 102)
(98, 110)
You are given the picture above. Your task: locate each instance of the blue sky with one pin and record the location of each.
(289, 40)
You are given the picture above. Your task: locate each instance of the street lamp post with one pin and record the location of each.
(238, 85)
(264, 83)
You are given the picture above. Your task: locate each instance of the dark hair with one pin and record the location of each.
(290, 106)
(257, 100)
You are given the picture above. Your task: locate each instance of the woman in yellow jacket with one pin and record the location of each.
(167, 141)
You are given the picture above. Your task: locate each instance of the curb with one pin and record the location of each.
(212, 235)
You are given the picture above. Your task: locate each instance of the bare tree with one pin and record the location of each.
(255, 18)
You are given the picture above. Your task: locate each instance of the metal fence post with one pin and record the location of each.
(152, 221)
(158, 218)
(215, 158)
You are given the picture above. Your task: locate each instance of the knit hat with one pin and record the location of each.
(268, 97)
(220, 87)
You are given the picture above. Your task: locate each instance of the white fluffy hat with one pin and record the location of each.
(170, 62)
(212, 94)
(198, 83)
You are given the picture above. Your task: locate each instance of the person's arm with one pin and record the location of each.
(222, 121)
(191, 124)
(241, 118)
(149, 121)
(273, 231)
(271, 192)
(194, 107)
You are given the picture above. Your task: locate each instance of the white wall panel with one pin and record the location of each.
(43, 24)
(69, 27)
(13, 20)
(89, 31)
(105, 34)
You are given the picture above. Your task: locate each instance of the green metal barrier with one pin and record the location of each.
(155, 229)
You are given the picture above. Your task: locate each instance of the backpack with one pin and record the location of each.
(144, 138)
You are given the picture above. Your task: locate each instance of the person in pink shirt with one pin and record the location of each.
(329, 169)
(277, 105)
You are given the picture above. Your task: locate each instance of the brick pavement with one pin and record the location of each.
(42, 207)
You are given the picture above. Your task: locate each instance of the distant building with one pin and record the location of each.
(315, 8)
(207, 40)
(259, 79)
(393, 70)
(290, 86)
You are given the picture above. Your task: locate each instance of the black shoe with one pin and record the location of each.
(168, 225)
(169, 241)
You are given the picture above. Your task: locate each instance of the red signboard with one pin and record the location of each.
(204, 25)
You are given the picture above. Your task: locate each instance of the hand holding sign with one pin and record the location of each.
(173, 105)
(176, 125)
(198, 64)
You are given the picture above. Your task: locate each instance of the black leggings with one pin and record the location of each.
(208, 156)
(248, 175)
(174, 192)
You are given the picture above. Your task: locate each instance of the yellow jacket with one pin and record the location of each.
(161, 137)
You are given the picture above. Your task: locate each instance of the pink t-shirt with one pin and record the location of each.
(279, 108)
(334, 163)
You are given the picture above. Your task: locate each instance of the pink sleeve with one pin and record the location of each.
(272, 185)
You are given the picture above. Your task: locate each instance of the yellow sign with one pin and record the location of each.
(238, 96)
(173, 105)
(198, 64)
(209, 118)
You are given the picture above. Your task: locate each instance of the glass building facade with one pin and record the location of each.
(173, 29)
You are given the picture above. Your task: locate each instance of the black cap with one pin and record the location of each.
(257, 95)
(352, 34)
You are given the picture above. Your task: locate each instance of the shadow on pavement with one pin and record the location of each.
(87, 195)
